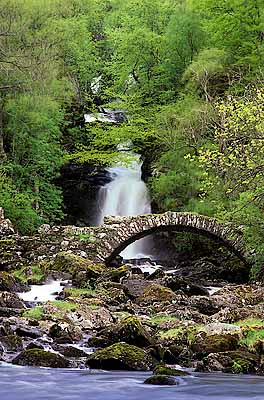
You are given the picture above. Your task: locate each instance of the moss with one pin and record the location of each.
(37, 357)
(77, 292)
(121, 356)
(66, 261)
(34, 313)
(236, 368)
(87, 237)
(253, 331)
(65, 305)
(157, 319)
(171, 333)
(31, 275)
(161, 369)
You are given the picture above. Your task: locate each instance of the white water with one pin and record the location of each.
(126, 195)
(47, 292)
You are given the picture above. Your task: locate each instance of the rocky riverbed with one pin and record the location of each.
(120, 318)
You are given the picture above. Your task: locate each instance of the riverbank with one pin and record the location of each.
(120, 317)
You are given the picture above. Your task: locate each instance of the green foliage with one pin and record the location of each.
(18, 206)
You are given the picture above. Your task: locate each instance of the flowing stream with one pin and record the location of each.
(126, 195)
(25, 383)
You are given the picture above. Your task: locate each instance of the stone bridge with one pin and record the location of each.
(118, 232)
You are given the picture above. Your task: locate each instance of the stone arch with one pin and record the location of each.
(122, 231)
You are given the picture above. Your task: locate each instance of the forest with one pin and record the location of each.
(189, 75)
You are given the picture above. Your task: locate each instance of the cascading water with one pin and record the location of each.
(126, 195)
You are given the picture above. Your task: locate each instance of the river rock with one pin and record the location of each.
(63, 332)
(187, 287)
(129, 330)
(9, 283)
(121, 356)
(26, 331)
(11, 343)
(41, 358)
(161, 380)
(239, 361)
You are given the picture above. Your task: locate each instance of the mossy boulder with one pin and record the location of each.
(214, 344)
(41, 358)
(156, 293)
(164, 380)
(162, 369)
(66, 261)
(121, 356)
(129, 330)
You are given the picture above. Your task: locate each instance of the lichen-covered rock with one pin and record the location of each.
(156, 293)
(238, 361)
(12, 343)
(162, 369)
(121, 356)
(41, 358)
(63, 332)
(129, 330)
(9, 283)
(10, 300)
(164, 380)
(219, 328)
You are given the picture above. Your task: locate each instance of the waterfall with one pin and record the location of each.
(126, 195)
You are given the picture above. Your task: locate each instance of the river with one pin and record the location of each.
(26, 383)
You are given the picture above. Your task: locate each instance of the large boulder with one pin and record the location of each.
(214, 343)
(121, 356)
(156, 293)
(184, 285)
(83, 270)
(41, 358)
(129, 330)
